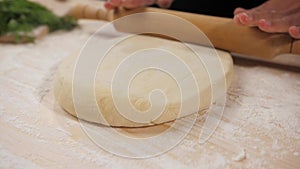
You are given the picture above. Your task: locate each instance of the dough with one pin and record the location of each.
(144, 82)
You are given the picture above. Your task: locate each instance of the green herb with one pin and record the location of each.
(20, 17)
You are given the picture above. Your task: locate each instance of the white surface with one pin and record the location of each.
(262, 118)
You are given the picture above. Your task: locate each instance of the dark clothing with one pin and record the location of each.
(223, 8)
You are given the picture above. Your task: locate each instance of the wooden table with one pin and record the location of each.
(260, 127)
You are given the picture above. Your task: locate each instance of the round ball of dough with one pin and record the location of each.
(143, 83)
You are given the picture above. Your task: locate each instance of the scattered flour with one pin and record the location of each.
(241, 156)
(262, 116)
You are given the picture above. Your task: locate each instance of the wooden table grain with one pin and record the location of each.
(260, 127)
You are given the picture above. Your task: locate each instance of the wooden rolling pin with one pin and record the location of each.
(222, 32)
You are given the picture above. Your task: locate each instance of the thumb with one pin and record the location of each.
(164, 3)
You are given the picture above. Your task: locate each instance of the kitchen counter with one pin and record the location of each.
(260, 127)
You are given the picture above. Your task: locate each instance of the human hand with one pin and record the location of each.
(272, 16)
(112, 4)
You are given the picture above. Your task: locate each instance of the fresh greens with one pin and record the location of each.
(19, 17)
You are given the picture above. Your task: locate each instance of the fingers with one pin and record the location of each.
(112, 4)
(279, 25)
(294, 32)
(246, 19)
(252, 17)
(272, 16)
(109, 6)
(164, 3)
(238, 10)
(130, 4)
(271, 22)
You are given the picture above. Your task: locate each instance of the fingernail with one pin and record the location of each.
(248, 17)
(264, 22)
(296, 28)
(236, 19)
